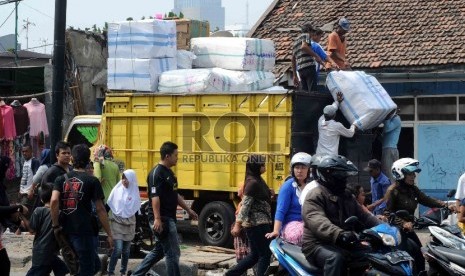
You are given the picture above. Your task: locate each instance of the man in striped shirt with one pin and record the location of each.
(304, 60)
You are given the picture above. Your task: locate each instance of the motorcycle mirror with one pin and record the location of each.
(351, 220)
(451, 193)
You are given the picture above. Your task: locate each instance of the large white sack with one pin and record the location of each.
(365, 101)
(137, 74)
(234, 53)
(214, 80)
(185, 59)
(142, 39)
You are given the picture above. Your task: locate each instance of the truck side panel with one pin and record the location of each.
(215, 134)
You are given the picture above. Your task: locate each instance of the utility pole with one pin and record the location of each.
(44, 41)
(247, 13)
(58, 74)
(16, 33)
(26, 26)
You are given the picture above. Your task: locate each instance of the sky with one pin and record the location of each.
(86, 13)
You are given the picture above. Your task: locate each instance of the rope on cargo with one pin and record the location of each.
(25, 96)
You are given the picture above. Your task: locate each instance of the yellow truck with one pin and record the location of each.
(215, 134)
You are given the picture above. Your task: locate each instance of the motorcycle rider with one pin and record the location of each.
(326, 242)
(405, 195)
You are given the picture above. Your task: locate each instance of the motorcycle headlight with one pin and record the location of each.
(390, 240)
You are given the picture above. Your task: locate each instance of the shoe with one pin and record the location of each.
(129, 273)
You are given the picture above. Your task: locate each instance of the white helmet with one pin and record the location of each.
(403, 166)
(301, 158)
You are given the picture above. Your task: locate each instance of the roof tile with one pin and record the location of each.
(397, 36)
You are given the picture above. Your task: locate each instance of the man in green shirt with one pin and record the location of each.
(105, 169)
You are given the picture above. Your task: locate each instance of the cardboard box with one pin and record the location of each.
(190, 28)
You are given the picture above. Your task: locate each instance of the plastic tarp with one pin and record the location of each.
(142, 39)
(185, 59)
(214, 80)
(137, 74)
(365, 102)
(234, 53)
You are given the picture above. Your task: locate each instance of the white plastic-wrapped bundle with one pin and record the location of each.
(142, 39)
(137, 74)
(214, 80)
(365, 101)
(234, 53)
(185, 59)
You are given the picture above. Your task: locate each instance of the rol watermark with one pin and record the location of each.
(236, 132)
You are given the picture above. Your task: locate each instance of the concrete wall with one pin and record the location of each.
(90, 55)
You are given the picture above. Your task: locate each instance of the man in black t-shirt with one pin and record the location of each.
(164, 198)
(73, 194)
(63, 155)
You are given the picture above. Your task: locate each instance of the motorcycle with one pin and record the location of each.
(445, 253)
(383, 258)
(440, 217)
(143, 238)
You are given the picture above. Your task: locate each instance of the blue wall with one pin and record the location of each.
(424, 88)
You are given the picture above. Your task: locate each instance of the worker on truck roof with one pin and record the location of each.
(330, 131)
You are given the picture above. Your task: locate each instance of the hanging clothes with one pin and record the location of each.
(21, 119)
(9, 129)
(1, 126)
(37, 118)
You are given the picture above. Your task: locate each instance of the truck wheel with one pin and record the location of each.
(215, 223)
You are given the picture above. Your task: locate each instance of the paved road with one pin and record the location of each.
(195, 261)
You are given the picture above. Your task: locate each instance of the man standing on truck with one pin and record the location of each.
(303, 61)
(337, 44)
(391, 133)
(329, 131)
(164, 198)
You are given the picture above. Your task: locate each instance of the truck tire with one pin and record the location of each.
(215, 223)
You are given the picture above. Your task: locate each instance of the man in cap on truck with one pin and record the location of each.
(337, 44)
(329, 131)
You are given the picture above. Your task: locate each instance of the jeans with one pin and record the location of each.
(308, 79)
(260, 253)
(122, 249)
(389, 155)
(167, 246)
(86, 249)
(57, 266)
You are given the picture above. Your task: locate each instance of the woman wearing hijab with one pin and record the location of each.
(255, 217)
(124, 202)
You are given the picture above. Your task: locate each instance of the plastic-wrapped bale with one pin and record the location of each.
(234, 53)
(142, 39)
(137, 74)
(214, 80)
(366, 102)
(185, 59)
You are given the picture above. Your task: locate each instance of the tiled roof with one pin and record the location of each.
(25, 54)
(394, 33)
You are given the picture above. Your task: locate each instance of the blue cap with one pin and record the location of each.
(344, 24)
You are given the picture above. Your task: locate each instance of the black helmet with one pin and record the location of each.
(335, 168)
(314, 162)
